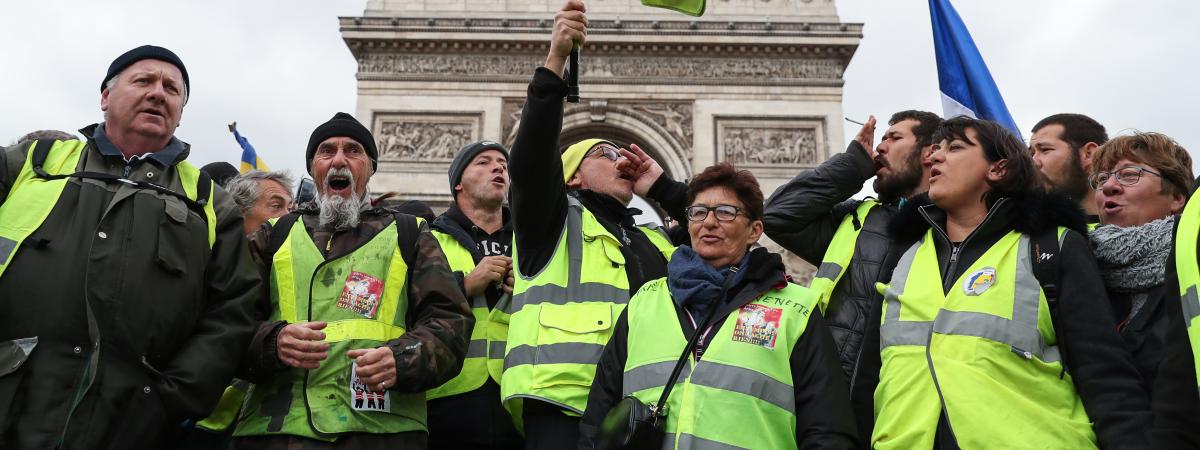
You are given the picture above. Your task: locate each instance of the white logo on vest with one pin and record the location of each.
(979, 281)
(362, 398)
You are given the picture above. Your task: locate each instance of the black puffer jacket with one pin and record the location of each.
(1105, 377)
(803, 216)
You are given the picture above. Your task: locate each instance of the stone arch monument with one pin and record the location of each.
(754, 82)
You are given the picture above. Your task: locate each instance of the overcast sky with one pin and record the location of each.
(280, 68)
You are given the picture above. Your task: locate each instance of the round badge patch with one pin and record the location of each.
(979, 281)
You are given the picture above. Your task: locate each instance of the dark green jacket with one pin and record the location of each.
(139, 324)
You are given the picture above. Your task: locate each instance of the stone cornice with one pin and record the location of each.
(601, 27)
(434, 46)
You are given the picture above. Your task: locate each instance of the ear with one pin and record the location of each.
(997, 170)
(104, 100)
(756, 231)
(1085, 154)
(575, 182)
(1178, 201)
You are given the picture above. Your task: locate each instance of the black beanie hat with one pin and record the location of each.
(145, 52)
(342, 124)
(464, 157)
(220, 172)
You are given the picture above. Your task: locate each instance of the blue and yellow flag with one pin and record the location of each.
(250, 159)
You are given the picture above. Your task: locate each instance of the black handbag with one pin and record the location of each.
(633, 425)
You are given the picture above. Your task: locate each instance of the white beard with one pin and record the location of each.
(337, 212)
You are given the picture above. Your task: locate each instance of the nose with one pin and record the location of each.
(1111, 186)
(710, 220)
(339, 159)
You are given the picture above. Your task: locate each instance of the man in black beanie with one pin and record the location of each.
(365, 311)
(126, 285)
(476, 235)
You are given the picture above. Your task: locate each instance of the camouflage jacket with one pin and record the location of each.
(432, 349)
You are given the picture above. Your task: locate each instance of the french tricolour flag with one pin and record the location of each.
(967, 86)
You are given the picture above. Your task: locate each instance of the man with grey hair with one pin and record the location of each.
(126, 285)
(363, 317)
(261, 196)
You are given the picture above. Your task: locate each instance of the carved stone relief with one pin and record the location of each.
(673, 117)
(602, 67)
(770, 141)
(424, 137)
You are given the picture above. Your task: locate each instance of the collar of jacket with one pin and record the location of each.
(175, 151)
(764, 271)
(457, 224)
(606, 208)
(1027, 213)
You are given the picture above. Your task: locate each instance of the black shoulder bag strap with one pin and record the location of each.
(41, 151)
(632, 424)
(1045, 253)
(407, 232)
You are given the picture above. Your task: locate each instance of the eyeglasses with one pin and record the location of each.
(604, 152)
(724, 213)
(1126, 176)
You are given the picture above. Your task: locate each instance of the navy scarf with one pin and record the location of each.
(695, 285)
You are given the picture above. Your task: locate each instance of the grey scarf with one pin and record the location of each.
(1133, 259)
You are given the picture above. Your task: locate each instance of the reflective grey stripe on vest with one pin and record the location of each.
(574, 291)
(693, 442)
(496, 349)
(479, 301)
(477, 348)
(828, 270)
(744, 381)
(1191, 305)
(649, 376)
(893, 331)
(561, 353)
(1021, 332)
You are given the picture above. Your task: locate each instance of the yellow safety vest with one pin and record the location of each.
(364, 298)
(839, 253)
(740, 393)
(562, 317)
(485, 354)
(985, 353)
(31, 198)
(1188, 272)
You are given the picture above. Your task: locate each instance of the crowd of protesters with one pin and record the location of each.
(992, 294)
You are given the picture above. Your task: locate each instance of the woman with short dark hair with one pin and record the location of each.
(973, 353)
(763, 373)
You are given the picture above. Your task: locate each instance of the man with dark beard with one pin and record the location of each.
(1062, 147)
(363, 314)
(476, 235)
(814, 217)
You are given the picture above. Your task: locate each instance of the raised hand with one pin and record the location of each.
(642, 168)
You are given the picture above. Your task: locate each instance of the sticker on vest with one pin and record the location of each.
(979, 281)
(361, 294)
(362, 398)
(758, 325)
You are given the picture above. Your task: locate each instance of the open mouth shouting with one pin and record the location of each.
(339, 181)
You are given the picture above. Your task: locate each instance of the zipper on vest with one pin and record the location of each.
(125, 172)
(952, 266)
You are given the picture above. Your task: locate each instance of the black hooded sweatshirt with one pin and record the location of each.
(1105, 377)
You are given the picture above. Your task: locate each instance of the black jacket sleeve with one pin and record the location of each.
(1105, 377)
(823, 416)
(606, 386)
(1176, 400)
(801, 215)
(671, 196)
(538, 192)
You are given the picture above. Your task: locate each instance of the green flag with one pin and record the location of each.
(689, 7)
